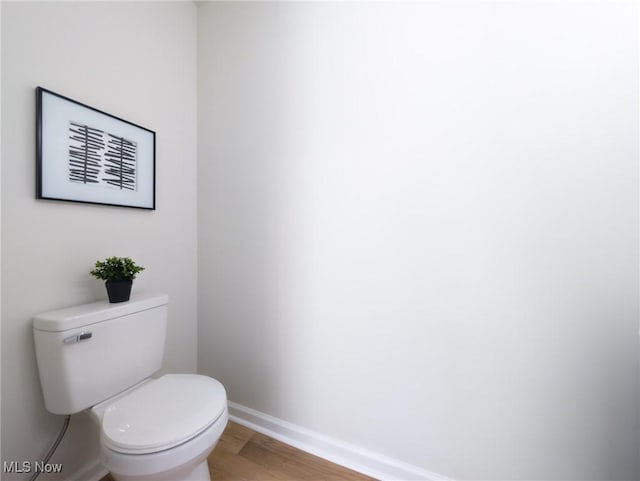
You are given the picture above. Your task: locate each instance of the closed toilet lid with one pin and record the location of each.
(163, 413)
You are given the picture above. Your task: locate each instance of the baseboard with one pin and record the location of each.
(92, 472)
(353, 457)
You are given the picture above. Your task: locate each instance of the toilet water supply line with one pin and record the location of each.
(53, 447)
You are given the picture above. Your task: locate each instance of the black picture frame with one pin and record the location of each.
(89, 156)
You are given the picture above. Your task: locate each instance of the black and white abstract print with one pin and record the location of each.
(100, 158)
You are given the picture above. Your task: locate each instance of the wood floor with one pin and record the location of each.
(244, 455)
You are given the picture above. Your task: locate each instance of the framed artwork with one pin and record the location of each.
(86, 155)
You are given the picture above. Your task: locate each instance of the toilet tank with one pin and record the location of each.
(88, 353)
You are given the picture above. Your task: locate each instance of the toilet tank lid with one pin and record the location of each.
(86, 314)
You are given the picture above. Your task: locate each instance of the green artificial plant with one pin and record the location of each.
(116, 269)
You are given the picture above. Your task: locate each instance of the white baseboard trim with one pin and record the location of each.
(353, 457)
(92, 472)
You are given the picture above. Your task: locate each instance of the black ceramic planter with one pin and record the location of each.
(118, 291)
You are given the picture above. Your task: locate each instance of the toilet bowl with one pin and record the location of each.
(99, 358)
(162, 429)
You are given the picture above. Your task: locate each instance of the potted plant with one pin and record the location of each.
(118, 274)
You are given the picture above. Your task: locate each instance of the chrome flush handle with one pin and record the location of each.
(83, 336)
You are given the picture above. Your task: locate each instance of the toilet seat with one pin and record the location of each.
(168, 465)
(162, 413)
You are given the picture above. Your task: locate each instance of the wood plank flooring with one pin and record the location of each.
(244, 455)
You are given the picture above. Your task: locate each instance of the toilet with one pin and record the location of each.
(100, 357)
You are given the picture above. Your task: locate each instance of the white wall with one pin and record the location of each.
(418, 228)
(136, 61)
